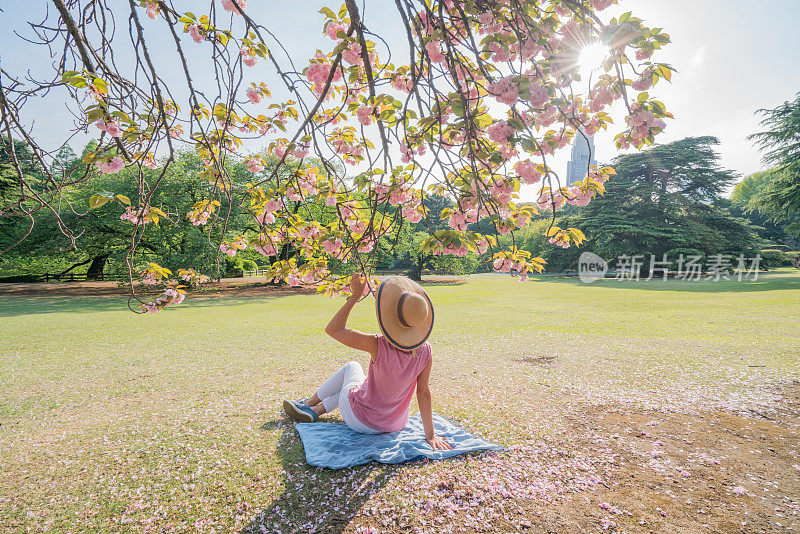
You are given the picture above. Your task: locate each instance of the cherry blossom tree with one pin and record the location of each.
(484, 94)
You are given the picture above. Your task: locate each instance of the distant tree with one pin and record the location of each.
(780, 142)
(773, 226)
(664, 200)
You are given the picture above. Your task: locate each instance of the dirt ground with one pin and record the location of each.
(227, 287)
(665, 472)
(712, 472)
(255, 286)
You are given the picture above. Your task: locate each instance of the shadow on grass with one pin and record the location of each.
(315, 499)
(765, 282)
(453, 282)
(11, 306)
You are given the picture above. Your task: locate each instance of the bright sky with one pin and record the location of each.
(732, 56)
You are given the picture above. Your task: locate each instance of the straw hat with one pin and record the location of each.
(405, 313)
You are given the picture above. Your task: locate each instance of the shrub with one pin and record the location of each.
(771, 258)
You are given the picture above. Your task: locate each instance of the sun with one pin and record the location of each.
(591, 57)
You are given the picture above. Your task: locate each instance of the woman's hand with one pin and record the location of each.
(357, 284)
(438, 442)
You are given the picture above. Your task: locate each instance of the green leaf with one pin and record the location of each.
(96, 201)
(124, 199)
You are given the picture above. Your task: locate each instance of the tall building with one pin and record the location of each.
(583, 155)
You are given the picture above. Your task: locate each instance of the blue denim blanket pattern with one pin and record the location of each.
(336, 446)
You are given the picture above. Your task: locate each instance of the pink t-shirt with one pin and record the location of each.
(383, 400)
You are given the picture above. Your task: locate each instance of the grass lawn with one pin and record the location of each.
(171, 422)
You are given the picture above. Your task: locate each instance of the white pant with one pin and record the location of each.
(335, 393)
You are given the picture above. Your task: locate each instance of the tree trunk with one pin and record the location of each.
(95, 271)
(415, 273)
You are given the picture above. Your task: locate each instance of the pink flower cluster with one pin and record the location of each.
(364, 115)
(352, 54)
(254, 164)
(403, 83)
(411, 208)
(500, 131)
(254, 95)
(229, 6)
(230, 248)
(332, 245)
(576, 196)
(318, 73)
(600, 5)
(109, 126)
(504, 90)
(248, 58)
(149, 161)
(599, 97)
(170, 296)
(408, 150)
(434, 49)
(333, 27)
(192, 276)
(266, 246)
(135, 216)
(560, 239)
(642, 123)
(194, 32)
(350, 152)
(547, 200)
(527, 172)
(301, 151)
(111, 166)
(152, 9)
(645, 81)
(505, 265)
(268, 215)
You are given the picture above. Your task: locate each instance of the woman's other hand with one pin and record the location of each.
(438, 442)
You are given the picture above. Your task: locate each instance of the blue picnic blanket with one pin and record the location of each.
(336, 446)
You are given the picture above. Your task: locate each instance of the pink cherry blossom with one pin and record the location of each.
(366, 246)
(109, 126)
(248, 58)
(334, 27)
(364, 115)
(293, 280)
(112, 166)
(352, 54)
(502, 264)
(152, 9)
(254, 95)
(332, 246)
(527, 172)
(645, 82)
(500, 131)
(539, 95)
(194, 32)
(434, 49)
(149, 161)
(254, 165)
(229, 6)
(457, 221)
(266, 247)
(402, 83)
(504, 90)
(300, 151)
